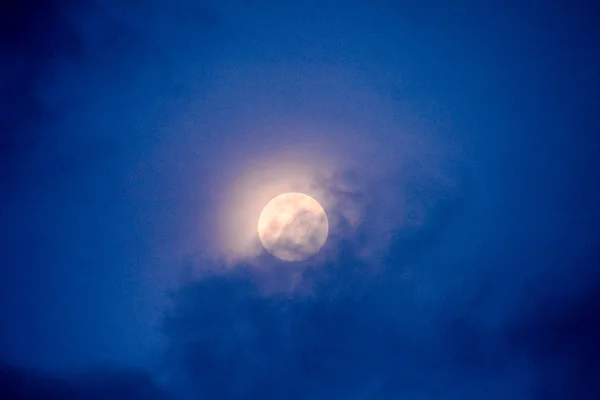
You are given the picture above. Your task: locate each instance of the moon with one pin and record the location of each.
(293, 226)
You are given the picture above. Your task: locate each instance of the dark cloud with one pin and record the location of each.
(560, 334)
(44, 51)
(21, 384)
(56, 55)
(34, 36)
(354, 333)
(352, 343)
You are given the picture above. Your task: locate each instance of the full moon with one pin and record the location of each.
(293, 226)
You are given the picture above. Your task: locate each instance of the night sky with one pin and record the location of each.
(454, 146)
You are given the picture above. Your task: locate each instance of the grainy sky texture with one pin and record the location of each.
(453, 145)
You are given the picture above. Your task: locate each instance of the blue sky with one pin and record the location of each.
(454, 147)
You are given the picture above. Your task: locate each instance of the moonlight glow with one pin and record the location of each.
(293, 226)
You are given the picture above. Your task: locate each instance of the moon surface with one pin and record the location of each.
(293, 226)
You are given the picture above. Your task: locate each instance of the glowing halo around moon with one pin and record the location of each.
(293, 226)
